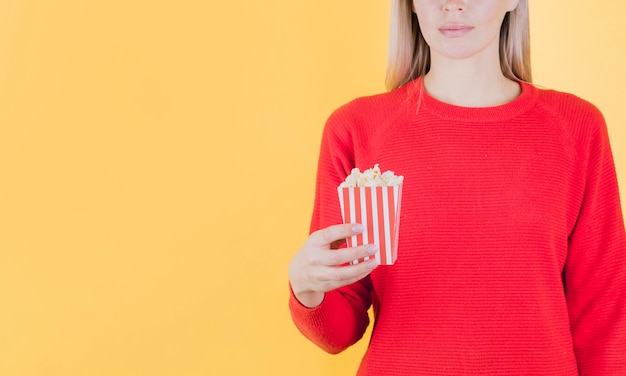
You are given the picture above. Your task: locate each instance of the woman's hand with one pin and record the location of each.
(319, 267)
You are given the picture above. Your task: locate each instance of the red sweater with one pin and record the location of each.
(512, 252)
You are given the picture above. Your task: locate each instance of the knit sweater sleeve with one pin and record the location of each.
(595, 270)
(341, 319)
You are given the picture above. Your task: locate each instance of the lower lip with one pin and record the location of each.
(456, 32)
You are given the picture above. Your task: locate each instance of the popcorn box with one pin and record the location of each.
(378, 210)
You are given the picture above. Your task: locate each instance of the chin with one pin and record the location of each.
(460, 52)
(458, 55)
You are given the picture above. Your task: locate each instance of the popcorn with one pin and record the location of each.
(371, 178)
(372, 199)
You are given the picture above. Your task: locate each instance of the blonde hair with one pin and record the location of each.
(409, 55)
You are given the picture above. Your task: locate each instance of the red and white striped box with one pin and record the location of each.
(378, 210)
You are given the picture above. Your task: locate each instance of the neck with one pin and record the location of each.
(473, 82)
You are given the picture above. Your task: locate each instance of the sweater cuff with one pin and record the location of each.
(316, 323)
(311, 320)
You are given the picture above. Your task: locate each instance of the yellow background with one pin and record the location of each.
(157, 163)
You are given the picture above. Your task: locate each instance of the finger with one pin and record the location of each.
(368, 268)
(339, 276)
(328, 235)
(344, 255)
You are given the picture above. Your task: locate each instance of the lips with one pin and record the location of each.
(455, 30)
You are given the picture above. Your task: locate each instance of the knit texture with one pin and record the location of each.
(512, 252)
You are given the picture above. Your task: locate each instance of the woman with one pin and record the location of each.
(512, 251)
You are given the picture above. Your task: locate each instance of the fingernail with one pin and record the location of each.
(372, 264)
(372, 249)
(357, 228)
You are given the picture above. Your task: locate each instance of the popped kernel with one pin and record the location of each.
(371, 178)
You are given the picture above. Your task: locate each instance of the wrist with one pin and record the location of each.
(309, 299)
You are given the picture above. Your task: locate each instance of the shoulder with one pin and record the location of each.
(578, 120)
(372, 110)
(574, 110)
